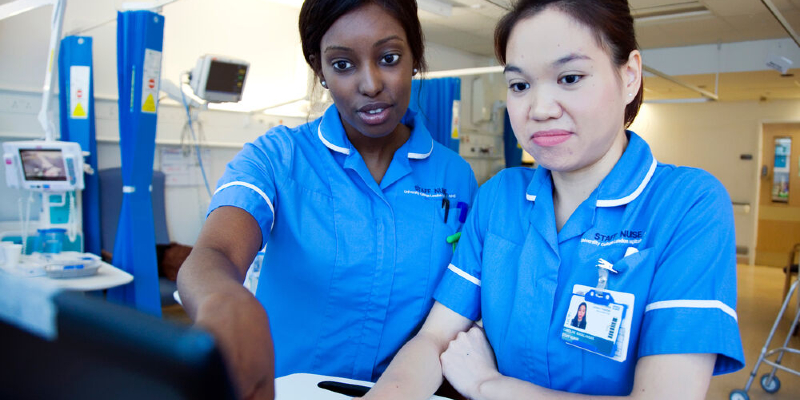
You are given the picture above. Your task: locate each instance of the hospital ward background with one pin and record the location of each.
(95, 220)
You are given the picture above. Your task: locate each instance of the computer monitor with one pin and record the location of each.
(104, 350)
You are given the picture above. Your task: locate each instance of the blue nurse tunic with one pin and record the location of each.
(517, 272)
(350, 265)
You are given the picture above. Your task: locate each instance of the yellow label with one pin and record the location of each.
(454, 135)
(149, 104)
(79, 111)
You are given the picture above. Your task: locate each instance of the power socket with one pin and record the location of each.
(18, 105)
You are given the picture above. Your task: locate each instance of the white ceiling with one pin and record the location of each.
(471, 25)
(659, 24)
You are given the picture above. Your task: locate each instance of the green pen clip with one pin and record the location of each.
(453, 239)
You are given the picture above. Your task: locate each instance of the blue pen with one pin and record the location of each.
(463, 207)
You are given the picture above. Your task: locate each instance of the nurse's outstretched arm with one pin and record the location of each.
(670, 376)
(415, 372)
(210, 285)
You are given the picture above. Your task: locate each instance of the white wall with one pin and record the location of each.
(712, 136)
(261, 32)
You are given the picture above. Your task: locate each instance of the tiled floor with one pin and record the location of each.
(760, 291)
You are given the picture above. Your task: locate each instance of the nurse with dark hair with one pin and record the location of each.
(651, 245)
(349, 207)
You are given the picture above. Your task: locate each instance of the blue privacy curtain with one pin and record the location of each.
(76, 105)
(434, 99)
(140, 38)
(512, 151)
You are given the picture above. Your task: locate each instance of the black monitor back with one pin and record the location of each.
(103, 350)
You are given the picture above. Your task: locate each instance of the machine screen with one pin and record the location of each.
(43, 165)
(226, 77)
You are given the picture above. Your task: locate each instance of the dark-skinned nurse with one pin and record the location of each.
(349, 207)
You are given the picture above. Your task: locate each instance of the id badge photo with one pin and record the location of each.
(599, 321)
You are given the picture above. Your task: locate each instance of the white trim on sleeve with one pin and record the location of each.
(461, 273)
(255, 189)
(692, 304)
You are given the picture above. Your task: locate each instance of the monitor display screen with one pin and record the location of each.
(226, 77)
(43, 164)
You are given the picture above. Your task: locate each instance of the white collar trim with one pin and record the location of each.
(629, 198)
(329, 144)
(420, 156)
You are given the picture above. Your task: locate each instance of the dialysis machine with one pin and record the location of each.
(54, 169)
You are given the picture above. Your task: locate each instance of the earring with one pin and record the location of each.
(414, 71)
(630, 94)
(323, 83)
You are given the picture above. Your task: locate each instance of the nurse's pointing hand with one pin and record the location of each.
(468, 362)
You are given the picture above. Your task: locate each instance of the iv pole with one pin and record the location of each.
(56, 24)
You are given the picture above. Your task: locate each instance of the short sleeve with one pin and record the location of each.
(460, 287)
(692, 302)
(250, 180)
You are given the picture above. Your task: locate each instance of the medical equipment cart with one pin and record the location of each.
(769, 382)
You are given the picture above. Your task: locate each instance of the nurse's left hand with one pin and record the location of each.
(468, 362)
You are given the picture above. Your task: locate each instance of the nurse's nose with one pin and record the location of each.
(543, 103)
(371, 83)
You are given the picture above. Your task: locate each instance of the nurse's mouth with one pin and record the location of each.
(374, 114)
(550, 138)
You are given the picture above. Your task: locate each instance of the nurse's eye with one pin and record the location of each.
(341, 65)
(518, 86)
(570, 79)
(390, 59)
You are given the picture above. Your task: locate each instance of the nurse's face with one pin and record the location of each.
(367, 64)
(566, 98)
(581, 312)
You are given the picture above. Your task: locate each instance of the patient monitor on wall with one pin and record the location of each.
(43, 166)
(218, 79)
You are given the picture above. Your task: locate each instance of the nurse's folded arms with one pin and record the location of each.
(349, 207)
(648, 247)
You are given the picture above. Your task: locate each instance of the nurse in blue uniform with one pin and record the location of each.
(354, 208)
(647, 247)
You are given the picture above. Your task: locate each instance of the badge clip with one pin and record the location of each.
(603, 267)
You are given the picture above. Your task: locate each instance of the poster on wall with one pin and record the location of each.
(181, 168)
(781, 170)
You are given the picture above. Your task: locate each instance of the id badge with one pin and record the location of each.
(599, 322)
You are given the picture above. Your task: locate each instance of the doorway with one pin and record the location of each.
(779, 194)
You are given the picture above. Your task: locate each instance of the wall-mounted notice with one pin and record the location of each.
(781, 169)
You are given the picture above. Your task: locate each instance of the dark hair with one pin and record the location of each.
(317, 16)
(582, 323)
(610, 20)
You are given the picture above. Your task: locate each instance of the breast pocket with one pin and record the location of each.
(422, 249)
(635, 275)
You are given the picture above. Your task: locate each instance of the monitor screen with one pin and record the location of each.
(226, 77)
(104, 350)
(43, 164)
